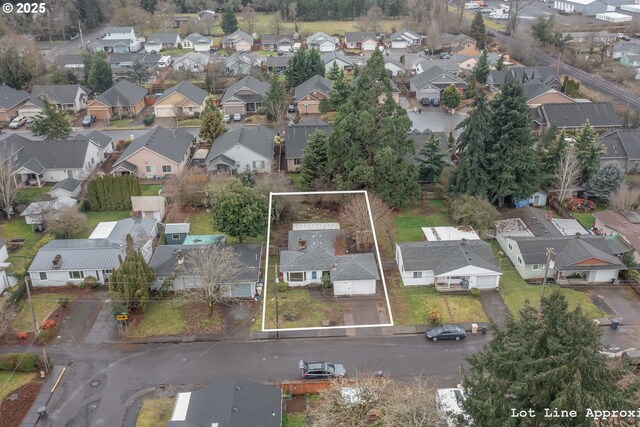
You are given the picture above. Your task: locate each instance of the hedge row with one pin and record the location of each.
(30, 362)
(112, 193)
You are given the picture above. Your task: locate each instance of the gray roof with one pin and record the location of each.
(451, 38)
(63, 154)
(437, 77)
(319, 253)
(111, 30)
(277, 61)
(599, 114)
(339, 55)
(444, 64)
(233, 402)
(177, 228)
(123, 93)
(389, 60)
(188, 90)
(111, 42)
(617, 244)
(256, 138)
(355, 267)
(163, 38)
(170, 143)
(259, 87)
(55, 205)
(315, 83)
(9, 97)
(534, 88)
(164, 260)
(148, 59)
(420, 138)
(354, 37)
(569, 251)
(70, 60)
(621, 143)
(199, 38)
(98, 137)
(297, 135)
(319, 37)
(536, 221)
(236, 36)
(411, 34)
(68, 184)
(523, 74)
(63, 94)
(498, 77)
(442, 257)
(276, 39)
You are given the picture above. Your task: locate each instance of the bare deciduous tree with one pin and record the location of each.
(67, 222)
(276, 23)
(216, 268)
(354, 219)
(625, 198)
(275, 182)
(567, 174)
(248, 18)
(370, 21)
(522, 47)
(185, 189)
(8, 187)
(515, 6)
(293, 11)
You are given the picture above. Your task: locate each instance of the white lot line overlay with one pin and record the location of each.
(375, 241)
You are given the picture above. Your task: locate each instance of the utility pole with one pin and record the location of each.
(33, 313)
(80, 30)
(546, 271)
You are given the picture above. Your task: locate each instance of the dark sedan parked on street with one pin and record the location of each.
(445, 332)
(317, 370)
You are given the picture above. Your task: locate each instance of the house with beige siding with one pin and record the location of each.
(238, 41)
(244, 96)
(123, 99)
(309, 94)
(157, 153)
(10, 101)
(183, 100)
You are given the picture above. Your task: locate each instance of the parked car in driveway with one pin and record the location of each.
(445, 332)
(425, 102)
(435, 102)
(318, 370)
(226, 118)
(237, 117)
(29, 122)
(88, 120)
(17, 122)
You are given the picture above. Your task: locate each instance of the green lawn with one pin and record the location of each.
(189, 123)
(414, 303)
(93, 218)
(296, 180)
(43, 305)
(294, 420)
(120, 123)
(31, 194)
(263, 26)
(9, 383)
(201, 224)
(151, 189)
(586, 219)
(161, 318)
(175, 52)
(409, 221)
(16, 228)
(155, 412)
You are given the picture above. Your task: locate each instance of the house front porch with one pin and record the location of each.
(452, 288)
(28, 179)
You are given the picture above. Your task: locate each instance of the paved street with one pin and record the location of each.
(74, 46)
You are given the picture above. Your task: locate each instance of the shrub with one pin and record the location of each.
(20, 271)
(21, 362)
(63, 302)
(46, 335)
(89, 282)
(283, 287)
(634, 275)
(149, 119)
(434, 317)
(196, 115)
(17, 292)
(291, 316)
(261, 111)
(475, 292)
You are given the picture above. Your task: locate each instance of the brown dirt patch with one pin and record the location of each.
(296, 404)
(177, 214)
(13, 411)
(197, 321)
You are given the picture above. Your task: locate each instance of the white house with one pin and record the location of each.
(322, 42)
(395, 67)
(240, 149)
(465, 264)
(120, 33)
(67, 188)
(361, 40)
(149, 206)
(159, 41)
(405, 38)
(197, 42)
(37, 213)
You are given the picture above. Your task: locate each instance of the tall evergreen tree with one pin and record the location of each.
(545, 362)
(340, 92)
(229, 23)
(212, 125)
(512, 159)
(605, 181)
(52, 123)
(101, 76)
(550, 158)
(431, 159)
(87, 61)
(369, 140)
(500, 65)
(303, 65)
(240, 211)
(276, 102)
(129, 284)
(472, 175)
(589, 151)
(148, 5)
(313, 174)
(482, 69)
(451, 96)
(335, 73)
(478, 30)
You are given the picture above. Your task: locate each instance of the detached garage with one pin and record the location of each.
(355, 274)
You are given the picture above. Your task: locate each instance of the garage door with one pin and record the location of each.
(241, 291)
(486, 282)
(100, 113)
(233, 109)
(428, 93)
(163, 111)
(327, 48)
(399, 44)
(354, 287)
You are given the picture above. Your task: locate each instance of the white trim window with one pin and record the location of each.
(536, 267)
(166, 169)
(150, 168)
(417, 274)
(76, 275)
(296, 276)
(519, 260)
(43, 275)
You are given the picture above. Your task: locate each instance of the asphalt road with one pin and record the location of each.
(74, 46)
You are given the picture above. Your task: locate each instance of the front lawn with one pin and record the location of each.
(13, 382)
(155, 412)
(586, 219)
(294, 420)
(43, 306)
(120, 123)
(151, 189)
(189, 123)
(409, 221)
(175, 317)
(175, 52)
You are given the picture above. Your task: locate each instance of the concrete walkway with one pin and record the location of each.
(494, 306)
(49, 386)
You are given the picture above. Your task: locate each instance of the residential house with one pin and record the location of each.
(176, 262)
(450, 263)
(123, 99)
(323, 42)
(41, 161)
(182, 100)
(318, 249)
(405, 38)
(241, 149)
(572, 117)
(176, 233)
(64, 261)
(277, 64)
(361, 40)
(157, 153)
(296, 137)
(309, 94)
(420, 139)
(395, 68)
(630, 60)
(38, 213)
(160, 41)
(71, 62)
(280, 43)
(120, 33)
(344, 63)
(238, 41)
(448, 65)
(5, 281)
(66, 188)
(197, 42)
(625, 48)
(10, 101)
(466, 63)
(232, 402)
(626, 225)
(578, 257)
(149, 206)
(117, 40)
(622, 146)
(547, 75)
(195, 62)
(240, 64)
(431, 82)
(103, 140)
(71, 98)
(539, 93)
(244, 96)
(459, 44)
(124, 61)
(496, 79)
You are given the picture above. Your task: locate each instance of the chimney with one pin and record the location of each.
(549, 215)
(463, 242)
(180, 257)
(302, 244)
(56, 262)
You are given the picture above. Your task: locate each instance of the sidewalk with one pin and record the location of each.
(49, 386)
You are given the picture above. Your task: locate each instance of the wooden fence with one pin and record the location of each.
(558, 208)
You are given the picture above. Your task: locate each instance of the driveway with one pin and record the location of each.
(436, 119)
(617, 301)
(494, 306)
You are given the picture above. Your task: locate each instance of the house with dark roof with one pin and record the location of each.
(69, 187)
(539, 93)
(454, 42)
(343, 62)
(323, 42)
(310, 93)
(626, 226)
(405, 38)
(366, 40)
(197, 42)
(160, 41)
(433, 81)
(241, 149)
(420, 139)
(157, 153)
(232, 402)
(73, 260)
(448, 65)
(176, 262)
(182, 100)
(622, 146)
(296, 137)
(496, 79)
(578, 257)
(10, 101)
(277, 64)
(71, 98)
(175, 233)
(572, 117)
(448, 264)
(546, 74)
(239, 63)
(123, 99)
(277, 42)
(244, 96)
(318, 249)
(123, 62)
(238, 41)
